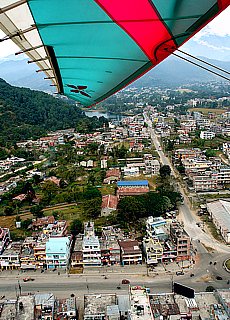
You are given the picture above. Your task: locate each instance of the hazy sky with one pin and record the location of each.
(213, 41)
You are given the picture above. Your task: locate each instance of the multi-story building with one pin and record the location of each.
(152, 167)
(207, 135)
(223, 175)
(91, 246)
(152, 224)
(77, 254)
(130, 252)
(10, 258)
(4, 238)
(153, 250)
(205, 182)
(181, 239)
(226, 149)
(58, 252)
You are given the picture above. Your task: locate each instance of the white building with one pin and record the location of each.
(152, 166)
(91, 246)
(140, 304)
(131, 171)
(207, 135)
(220, 212)
(226, 149)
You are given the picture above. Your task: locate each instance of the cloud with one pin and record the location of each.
(7, 47)
(218, 27)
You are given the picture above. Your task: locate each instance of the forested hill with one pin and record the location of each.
(26, 114)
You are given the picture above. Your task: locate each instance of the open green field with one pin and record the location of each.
(207, 110)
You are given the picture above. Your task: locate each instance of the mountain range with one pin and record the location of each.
(172, 71)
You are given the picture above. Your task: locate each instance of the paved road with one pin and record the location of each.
(82, 284)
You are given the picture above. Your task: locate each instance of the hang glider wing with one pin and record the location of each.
(91, 49)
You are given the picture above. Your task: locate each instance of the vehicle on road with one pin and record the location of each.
(118, 287)
(28, 279)
(192, 275)
(219, 278)
(179, 273)
(125, 281)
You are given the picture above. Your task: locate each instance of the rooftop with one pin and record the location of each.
(97, 304)
(220, 209)
(133, 183)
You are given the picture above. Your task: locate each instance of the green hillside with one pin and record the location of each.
(26, 114)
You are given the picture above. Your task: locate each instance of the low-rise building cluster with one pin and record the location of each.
(49, 247)
(137, 303)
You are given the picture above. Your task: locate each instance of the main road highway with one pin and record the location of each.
(63, 285)
(188, 217)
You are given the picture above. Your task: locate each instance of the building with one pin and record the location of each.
(132, 188)
(58, 252)
(140, 304)
(152, 224)
(4, 238)
(101, 307)
(10, 258)
(152, 167)
(207, 135)
(45, 304)
(153, 250)
(91, 246)
(181, 240)
(109, 204)
(130, 252)
(77, 254)
(226, 149)
(206, 182)
(112, 175)
(66, 309)
(220, 213)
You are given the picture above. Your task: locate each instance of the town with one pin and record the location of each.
(147, 194)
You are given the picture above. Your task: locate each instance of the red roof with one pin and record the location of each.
(113, 173)
(109, 201)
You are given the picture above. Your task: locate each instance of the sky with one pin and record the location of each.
(212, 42)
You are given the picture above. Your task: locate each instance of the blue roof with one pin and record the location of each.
(132, 183)
(57, 245)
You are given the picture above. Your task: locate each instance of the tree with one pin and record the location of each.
(210, 289)
(165, 171)
(37, 211)
(92, 207)
(130, 209)
(91, 193)
(50, 190)
(76, 227)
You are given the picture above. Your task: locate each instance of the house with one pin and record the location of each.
(130, 252)
(58, 252)
(132, 187)
(112, 175)
(109, 204)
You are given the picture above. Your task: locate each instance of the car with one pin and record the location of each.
(118, 287)
(28, 279)
(192, 275)
(179, 273)
(219, 278)
(125, 281)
